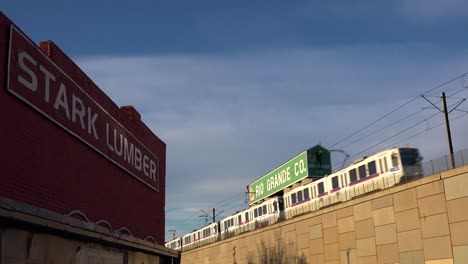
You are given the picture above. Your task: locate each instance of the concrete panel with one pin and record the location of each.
(429, 189)
(347, 241)
(44, 247)
(344, 212)
(362, 211)
(348, 257)
(365, 228)
(367, 260)
(316, 231)
(410, 240)
(437, 248)
(405, 200)
(384, 216)
(302, 228)
(460, 254)
(302, 241)
(388, 253)
(456, 187)
(346, 224)
(407, 220)
(302, 254)
(454, 172)
(459, 232)
(455, 210)
(315, 220)
(14, 246)
(329, 220)
(412, 257)
(432, 205)
(434, 226)
(319, 259)
(366, 247)
(330, 235)
(440, 261)
(332, 252)
(316, 246)
(385, 234)
(382, 202)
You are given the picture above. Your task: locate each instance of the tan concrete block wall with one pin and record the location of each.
(425, 221)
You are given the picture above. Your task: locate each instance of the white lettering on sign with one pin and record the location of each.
(299, 167)
(61, 99)
(37, 81)
(118, 144)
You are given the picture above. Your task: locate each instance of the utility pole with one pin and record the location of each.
(173, 232)
(447, 122)
(214, 214)
(447, 127)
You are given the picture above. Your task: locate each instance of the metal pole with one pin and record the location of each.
(214, 215)
(447, 126)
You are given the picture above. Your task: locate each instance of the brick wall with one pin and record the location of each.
(425, 221)
(44, 165)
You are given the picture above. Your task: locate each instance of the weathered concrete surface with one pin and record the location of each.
(31, 235)
(424, 221)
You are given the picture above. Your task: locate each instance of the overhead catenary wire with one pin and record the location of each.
(398, 108)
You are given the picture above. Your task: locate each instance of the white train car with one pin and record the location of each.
(200, 237)
(174, 244)
(379, 171)
(252, 218)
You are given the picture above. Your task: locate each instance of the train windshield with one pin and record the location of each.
(409, 157)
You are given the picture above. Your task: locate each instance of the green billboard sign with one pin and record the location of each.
(314, 162)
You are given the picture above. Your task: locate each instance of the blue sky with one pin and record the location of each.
(235, 88)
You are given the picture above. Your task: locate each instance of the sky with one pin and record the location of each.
(236, 88)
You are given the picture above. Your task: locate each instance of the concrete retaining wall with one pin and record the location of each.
(424, 221)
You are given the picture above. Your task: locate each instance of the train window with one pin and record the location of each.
(239, 219)
(394, 160)
(335, 183)
(385, 164)
(306, 194)
(247, 216)
(293, 197)
(352, 175)
(260, 213)
(380, 164)
(214, 230)
(362, 171)
(232, 221)
(372, 168)
(264, 209)
(275, 206)
(299, 196)
(409, 157)
(255, 213)
(321, 189)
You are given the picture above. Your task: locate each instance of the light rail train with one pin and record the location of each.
(369, 174)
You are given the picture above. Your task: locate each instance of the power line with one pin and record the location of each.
(404, 130)
(400, 107)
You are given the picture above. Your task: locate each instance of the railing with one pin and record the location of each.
(444, 163)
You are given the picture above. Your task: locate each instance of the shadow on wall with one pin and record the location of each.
(276, 253)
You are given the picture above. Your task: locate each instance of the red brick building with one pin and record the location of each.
(67, 147)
